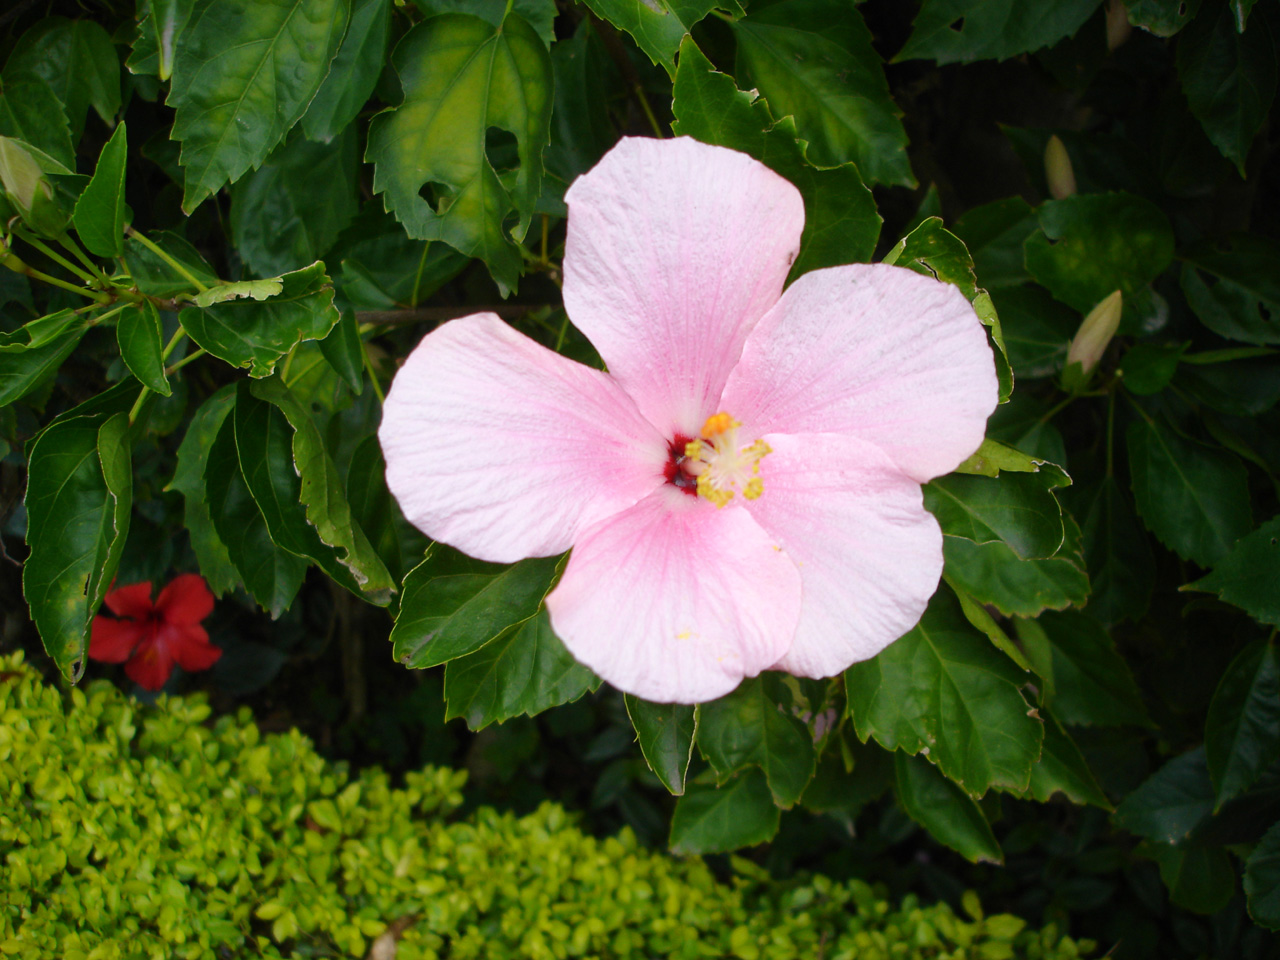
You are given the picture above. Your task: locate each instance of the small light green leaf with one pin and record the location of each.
(1199, 877)
(1242, 731)
(1063, 769)
(814, 60)
(463, 77)
(139, 337)
(951, 31)
(239, 290)
(77, 59)
(253, 334)
(1117, 555)
(1194, 497)
(1262, 880)
(841, 222)
(445, 617)
(100, 213)
(950, 815)
(1249, 575)
(33, 353)
(749, 727)
(243, 75)
(1171, 802)
(658, 26)
(1244, 302)
(711, 819)
(993, 456)
(1017, 509)
(354, 73)
(666, 732)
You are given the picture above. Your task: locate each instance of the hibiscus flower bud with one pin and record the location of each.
(1118, 26)
(1091, 340)
(1057, 169)
(27, 189)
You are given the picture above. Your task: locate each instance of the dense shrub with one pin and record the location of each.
(131, 831)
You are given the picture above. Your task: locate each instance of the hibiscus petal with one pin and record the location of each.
(881, 353)
(675, 249)
(111, 641)
(131, 601)
(506, 450)
(676, 601)
(190, 646)
(868, 553)
(150, 665)
(186, 599)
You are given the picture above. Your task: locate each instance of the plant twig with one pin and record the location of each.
(182, 270)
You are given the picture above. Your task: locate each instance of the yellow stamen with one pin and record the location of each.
(717, 424)
(723, 467)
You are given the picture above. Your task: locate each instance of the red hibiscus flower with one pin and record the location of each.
(151, 637)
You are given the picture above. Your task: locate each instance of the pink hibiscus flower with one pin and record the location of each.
(151, 637)
(742, 489)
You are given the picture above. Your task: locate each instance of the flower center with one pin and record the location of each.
(716, 465)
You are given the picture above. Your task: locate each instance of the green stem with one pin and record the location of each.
(102, 317)
(564, 329)
(35, 274)
(194, 355)
(173, 342)
(56, 257)
(288, 362)
(183, 271)
(137, 404)
(1058, 408)
(648, 112)
(373, 374)
(545, 220)
(1111, 430)
(74, 249)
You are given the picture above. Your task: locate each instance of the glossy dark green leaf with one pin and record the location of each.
(462, 77)
(1229, 78)
(754, 726)
(244, 74)
(345, 353)
(1249, 575)
(288, 212)
(78, 501)
(1171, 802)
(711, 819)
(1242, 387)
(270, 573)
(951, 816)
(526, 670)
(993, 574)
(1262, 880)
(1148, 367)
(444, 617)
(1093, 244)
(156, 278)
(1164, 18)
(1117, 555)
(585, 79)
(139, 337)
(1017, 509)
(539, 14)
(1090, 681)
(30, 111)
(77, 59)
(100, 213)
(372, 504)
(658, 26)
(1193, 497)
(841, 222)
(1199, 877)
(814, 60)
(1244, 301)
(189, 479)
(966, 30)
(980, 618)
(354, 73)
(665, 732)
(168, 18)
(944, 689)
(1242, 732)
(257, 333)
(994, 234)
(1063, 769)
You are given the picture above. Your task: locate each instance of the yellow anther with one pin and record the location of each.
(693, 449)
(753, 489)
(717, 424)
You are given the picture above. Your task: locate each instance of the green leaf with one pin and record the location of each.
(814, 60)
(1164, 18)
(1171, 802)
(1199, 877)
(978, 616)
(297, 488)
(1229, 77)
(1063, 769)
(711, 819)
(966, 30)
(100, 213)
(1244, 302)
(666, 732)
(1017, 509)
(753, 726)
(1148, 367)
(30, 111)
(944, 689)
(344, 351)
(139, 337)
(659, 26)
(1021, 423)
(526, 670)
(1093, 244)
(256, 334)
(1117, 555)
(950, 815)
(78, 501)
(1249, 575)
(271, 574)
(1242, 387)
(1090, 683)
(841, 222)
(461, 78)
(382, 268)
(194, 454)
(238, 290)
(288, 212)
(40, 332)
(1242, 731)
(78, 61)
(156, 278)
(539, 14)
(1262, 880)
(243, 76)
(993, 574)
(24, 368)
(372, 504)
(354, 73)
(994, 234)
(1193, 497)
(993, 457)
(443, 617)
(169, 18)
(586, 79)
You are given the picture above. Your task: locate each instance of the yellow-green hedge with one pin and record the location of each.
(128, 831)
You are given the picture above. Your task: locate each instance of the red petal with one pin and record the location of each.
(131, 601)
(113, 640)
(150, 665)
(186, 600)
(192, 649)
